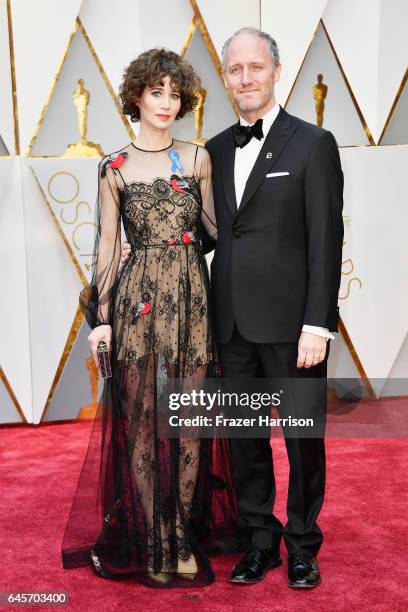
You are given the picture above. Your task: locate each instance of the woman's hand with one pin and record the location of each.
(125, 253)
(102, 332)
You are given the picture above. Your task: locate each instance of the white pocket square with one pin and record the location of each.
(272, 174)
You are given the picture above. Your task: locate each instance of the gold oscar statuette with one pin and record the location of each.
(319, 92)
(331, 394)
(89, 411)
(82, 148)
(199, 114)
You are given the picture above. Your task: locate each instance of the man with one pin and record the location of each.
(278, 191)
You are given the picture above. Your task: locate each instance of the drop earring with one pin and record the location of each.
(133, 117)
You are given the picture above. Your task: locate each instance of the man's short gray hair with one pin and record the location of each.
(271, 43)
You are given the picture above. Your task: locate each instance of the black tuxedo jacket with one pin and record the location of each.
(277, 261)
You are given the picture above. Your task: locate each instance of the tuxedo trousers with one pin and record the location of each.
(252, 461)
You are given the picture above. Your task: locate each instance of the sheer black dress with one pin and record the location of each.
(143, 501)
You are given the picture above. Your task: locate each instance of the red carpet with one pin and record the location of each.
(363, 558)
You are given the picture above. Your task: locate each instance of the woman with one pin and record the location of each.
(147, 506)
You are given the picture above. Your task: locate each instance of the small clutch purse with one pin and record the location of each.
(104, 361)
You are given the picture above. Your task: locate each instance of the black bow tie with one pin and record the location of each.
(243, 133)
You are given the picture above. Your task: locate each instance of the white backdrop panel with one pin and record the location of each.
(398, 371)
(6, 97)
(53, 285)
(397, 129)
(40, 38)
(235, 15)
(74, 387)
(340, 114)
(8, 412)
(115, 33)
(292, 24)
(38, 275)
(70, 186)
(370, 39)
(118, 36)
(340, 363)
(375, 241)
(15, 354)
(155, 20)
(218, 110)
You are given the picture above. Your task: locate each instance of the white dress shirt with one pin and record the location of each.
(245, 159)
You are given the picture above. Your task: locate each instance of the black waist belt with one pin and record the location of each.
(164, 244)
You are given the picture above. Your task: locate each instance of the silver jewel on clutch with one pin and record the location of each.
(96, 561)
(104, 360)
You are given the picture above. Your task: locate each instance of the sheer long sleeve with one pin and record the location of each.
(95, 299)
(208, 227)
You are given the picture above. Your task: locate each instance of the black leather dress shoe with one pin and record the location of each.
(303, 571)
(254, 565)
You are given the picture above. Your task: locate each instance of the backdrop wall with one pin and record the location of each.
(47, 200)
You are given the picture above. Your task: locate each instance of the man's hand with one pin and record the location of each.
(312, 350)
(125, 253)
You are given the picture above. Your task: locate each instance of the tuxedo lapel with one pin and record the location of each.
(275, 141)
(228, 173)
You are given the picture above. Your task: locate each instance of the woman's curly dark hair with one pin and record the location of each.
(147, 70)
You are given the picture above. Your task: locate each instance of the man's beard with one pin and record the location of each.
(252, 105)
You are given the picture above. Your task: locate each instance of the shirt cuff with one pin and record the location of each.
(318, 331)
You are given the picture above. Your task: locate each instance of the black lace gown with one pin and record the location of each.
(144, 501)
